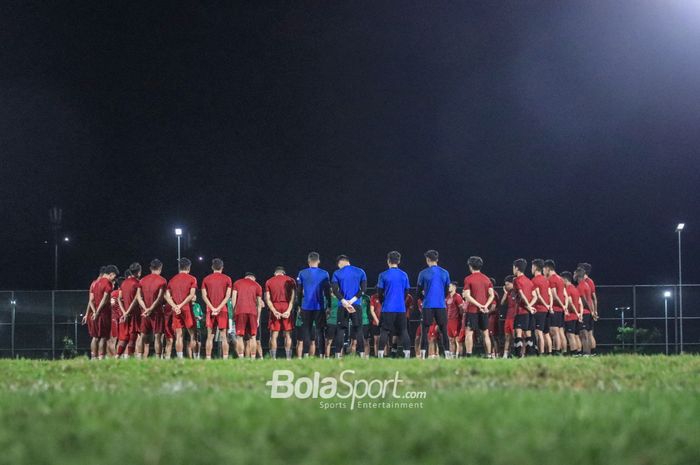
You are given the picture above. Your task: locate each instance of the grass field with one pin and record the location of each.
(605, 410)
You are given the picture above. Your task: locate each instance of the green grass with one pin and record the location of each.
(606, 410)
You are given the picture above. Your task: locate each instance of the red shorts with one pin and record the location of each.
(246, 324)
(103, 324)
(508, 327)
(184, 320)
(135, 321)
(432, 332)
(493, 324)
(152, 324)
(453, 327)
(461, 336)
(168, 324)
(124, 333)
(220, 321)
(114, 329)
(91, 325)
(280, 324)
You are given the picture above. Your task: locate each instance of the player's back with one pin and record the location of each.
(151, 285)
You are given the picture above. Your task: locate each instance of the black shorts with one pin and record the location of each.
(587, 324)
(541, 321)
(571, 326)
(365, 332)
(394, 323)
(556, 319)
(375, 330)
(522, 321)
(330, 331)
(531, 322)
(478, 321)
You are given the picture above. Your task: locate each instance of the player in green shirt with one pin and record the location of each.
(199, 324)
(331, 324)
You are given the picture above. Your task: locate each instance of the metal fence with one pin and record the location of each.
(633, 318)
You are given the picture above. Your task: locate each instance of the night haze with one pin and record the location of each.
(564, 130)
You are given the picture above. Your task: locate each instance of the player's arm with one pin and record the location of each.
(190, 296)
(227, 296)
(102, 304)
(170, 301)
(594, 297)
(528, 304)
(504, 299)
(234, 299)
(326, 293)
(538, 297)
(269, 304)
(491, 298)
(555, 296)
(157, 301)
(468, 297)
(360, 292)
(371, 312)
(288, 313)
(205, 298)
(259, 303)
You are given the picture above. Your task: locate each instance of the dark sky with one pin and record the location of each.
(564, 129)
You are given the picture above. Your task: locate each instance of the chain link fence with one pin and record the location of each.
(633, 318)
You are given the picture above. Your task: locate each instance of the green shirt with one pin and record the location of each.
(198, 315)
(332, 318)
(365, 309)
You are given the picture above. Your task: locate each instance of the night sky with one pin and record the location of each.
(564, 129)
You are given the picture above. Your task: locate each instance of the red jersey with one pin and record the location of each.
(541, 283)
(102, 287)
(92, 291)
(512, 300)
(129, 288)
(116, 310)
(478, 285)
(374, 302)
(248, 292)
(151, 285)
(409, 305)
(591, 284)
(280, 288)
(586, 295)
(523, 283)
(494, 304)
(455, 305)
(575, 300)
(180, 286)
(557, 286)
(216, 285)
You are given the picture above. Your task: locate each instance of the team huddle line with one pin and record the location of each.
(546, 314)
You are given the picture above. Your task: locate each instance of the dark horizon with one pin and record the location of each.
(267, 130)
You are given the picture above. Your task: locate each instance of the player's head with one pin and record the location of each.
(313, 259)
(102, 271)
(184, 265)
(250, 275)
(453, 287)
(135, 269)
(537, 265)
(579, 274)
(111, 272)
(508, 282)
(279, 270)
(586, 267)
(431, 257)
(475, 263)
(519, 266)
(128, 274)
(217, 264)
(393, 258)
(342, 261)
(156, 266)
(566, 276)
(549, 267)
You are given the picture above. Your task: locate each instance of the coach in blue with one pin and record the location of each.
(313, 284)
(349, 283)
(433, 287)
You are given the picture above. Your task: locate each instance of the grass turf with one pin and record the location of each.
(616, 409)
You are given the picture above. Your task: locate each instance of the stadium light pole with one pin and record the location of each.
(55, 218)
(679, 230)
(667, 295)
(178, 233)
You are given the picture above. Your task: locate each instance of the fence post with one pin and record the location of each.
(634, 318)
(53, 325)
(12, 328)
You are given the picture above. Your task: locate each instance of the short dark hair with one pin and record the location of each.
(520, 265)
(432, 255)
(134, 269)
(156, 264)
(249, 273)
(102, 269)
(566, 275)
(493, 281)
(586, 267)
(128, 273)
(475, 262)
(342, 257)
(538, 263)
(579, 273)
(510, 278)
(549, 263)
(109, 269)
(280, 268)
(394, 257)
(453, 283)
(217, 264)
(120, 280)
(184, 264)
(313, 257)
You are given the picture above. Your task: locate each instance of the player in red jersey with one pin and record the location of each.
(594, 303)
(216, 292)
(151, 302)
(419, 330)
(455, 309)
(559, 299)
(280, 295)
(510, 297)
(478, 295)
(375, 314)
(494, 320)
(247, 303)
(179, 294)
(116, 314)
(101, 309)
(573, 315)
(130, 321)
(526, 301)
(543, 307)
(87, 316)
(587, 299)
